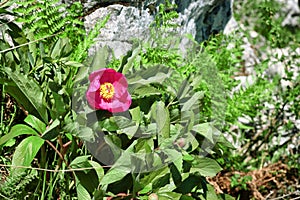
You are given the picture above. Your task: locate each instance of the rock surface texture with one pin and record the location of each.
(130, 19)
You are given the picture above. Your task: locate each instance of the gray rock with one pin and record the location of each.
(292, 11)
(130, 21)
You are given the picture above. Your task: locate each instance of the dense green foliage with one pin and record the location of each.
(174, 134)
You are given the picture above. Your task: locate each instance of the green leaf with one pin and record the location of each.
(59, 103)
(82, 74)
(205, 129)
(130, 60)
(100, 60)
(223, 141)
(194, 100)
(175, 157)
(205, 166)
(82, 193)
(121, 168)
(98, 168)
(115, 174)
(155, 74)
(88, 177)
(153, 176)
(28, 93)
(146, 90)
(162, 118)
(136, 114)
(35, 123)
(130, 131)
(19, 129)
(49, 133)
(169, 196)
(26, 152)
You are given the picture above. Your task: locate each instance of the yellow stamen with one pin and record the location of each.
(107, 91)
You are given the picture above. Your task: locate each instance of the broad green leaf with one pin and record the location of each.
(49, 133)
(85, 133)
(59, 104)
(58, 48)
(130, 60)
(87, 177)
(136, 114)
(167, 188)
(130, 131)
(146, 90)
(211, 194)
(162, 118)
(155, 74)
(206, 130)
(82, 74)
(100, 59)
(205, 166)
(184, 89)
(121, 168)
(98, 168)
(169, 196)
(26, 152)
(154, 175)
(115, 174)
(82, 193)
(175, 157)
(194, 100)
(19, 129)
(35, 123)
(28, 93)
(80, 162)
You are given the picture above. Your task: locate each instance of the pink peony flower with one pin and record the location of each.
(108, 91)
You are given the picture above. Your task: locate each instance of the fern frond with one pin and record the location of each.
(48, 17)
(15, 186)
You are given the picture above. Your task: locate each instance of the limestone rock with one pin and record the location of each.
(131, 20)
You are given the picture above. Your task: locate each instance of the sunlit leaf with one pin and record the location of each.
(25, 153)
(19, 129)
(35, 123)
(28, 93)
(205, 166)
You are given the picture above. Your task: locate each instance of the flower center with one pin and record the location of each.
(107, 91)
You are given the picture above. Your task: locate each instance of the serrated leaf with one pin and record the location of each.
(25, 153)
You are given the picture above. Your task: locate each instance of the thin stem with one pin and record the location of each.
(56, 150)
(2, 109)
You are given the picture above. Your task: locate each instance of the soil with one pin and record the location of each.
(273, 181)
